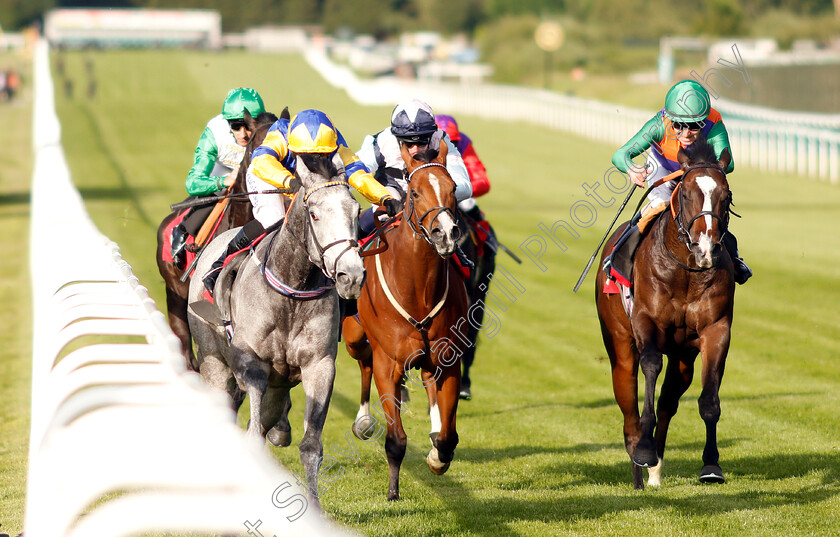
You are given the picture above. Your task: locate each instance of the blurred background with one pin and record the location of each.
(592, 48)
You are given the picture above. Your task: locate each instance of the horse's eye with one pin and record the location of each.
(313, 216)
(415, 194)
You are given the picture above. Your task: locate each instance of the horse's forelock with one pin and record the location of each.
(701, 152)
(320, 164)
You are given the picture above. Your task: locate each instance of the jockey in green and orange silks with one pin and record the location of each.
(687, 114)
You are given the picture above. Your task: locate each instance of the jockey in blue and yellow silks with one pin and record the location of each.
(273, 165)
(687, 114)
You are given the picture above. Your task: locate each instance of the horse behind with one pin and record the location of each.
(237, 214)
(283, 309)
(409, 313)
(684, 293)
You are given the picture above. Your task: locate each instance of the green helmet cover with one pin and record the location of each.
(687, 101)
(238, 100)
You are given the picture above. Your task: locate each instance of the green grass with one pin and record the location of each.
(15, 296)
(541, 449)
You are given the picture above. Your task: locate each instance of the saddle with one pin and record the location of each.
(619, 264)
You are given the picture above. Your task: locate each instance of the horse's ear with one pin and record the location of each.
(250, 120)
(682, 158)
(725, 159)
(443, 148)
(285, 113)
(406, 157)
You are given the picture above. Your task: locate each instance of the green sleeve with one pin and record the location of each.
(649, 134)
(719, 139)
(199, 181)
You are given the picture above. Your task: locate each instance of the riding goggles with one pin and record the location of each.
(415, 140)
(236, 124)
(680, 126)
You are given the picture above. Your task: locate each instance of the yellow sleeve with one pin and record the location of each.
(267, 161)
(360, 178)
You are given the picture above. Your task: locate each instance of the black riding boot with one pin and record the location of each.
(179, 244)
(240, 241)
(742, 271)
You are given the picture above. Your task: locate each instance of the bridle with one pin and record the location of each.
(351, 245)
(420, 231)
(683, 227)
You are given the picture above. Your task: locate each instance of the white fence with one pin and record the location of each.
(123, 440)
(773, 143)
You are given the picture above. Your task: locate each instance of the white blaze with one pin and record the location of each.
(707, 186)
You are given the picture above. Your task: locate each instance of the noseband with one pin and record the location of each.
(352, 244)
(683, 227)
(420, 231)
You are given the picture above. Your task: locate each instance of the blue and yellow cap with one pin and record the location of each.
(311, 131)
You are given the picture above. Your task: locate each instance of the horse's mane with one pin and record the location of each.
(319, 163)
(701, 152)
(266, 117)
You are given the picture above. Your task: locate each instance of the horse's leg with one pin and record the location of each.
(434, 411)
(387, 378)
(252, 374)
(443, 448)
(650, 361)
(317, 379)
(358, 347)
(485, 266)
(678, 375)
(624, 364)
(714, 346)
(280, 433)
(176, 310)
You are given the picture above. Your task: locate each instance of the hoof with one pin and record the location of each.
(279, 438)
(646, 458)
(465, 394)
(711, 473)
(437, 467)
(364, 428)
(393, 496)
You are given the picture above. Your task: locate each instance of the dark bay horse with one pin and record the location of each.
(238, 212)
(282, 305)
(684, 293)
(409, 309)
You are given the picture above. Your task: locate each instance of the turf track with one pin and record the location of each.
(541, 449)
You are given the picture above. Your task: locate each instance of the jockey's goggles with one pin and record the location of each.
(679, 126)
(415, 140)
(236, 124)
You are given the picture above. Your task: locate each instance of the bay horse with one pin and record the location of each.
(684, 294)
(237, 214)
(283, 308)
(409, 310)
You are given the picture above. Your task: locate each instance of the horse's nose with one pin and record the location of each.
(456, 233)
(350, 286)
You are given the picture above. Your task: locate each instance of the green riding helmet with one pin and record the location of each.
(238, 100)
(688, 102)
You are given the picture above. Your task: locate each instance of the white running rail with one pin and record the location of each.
(123, 440)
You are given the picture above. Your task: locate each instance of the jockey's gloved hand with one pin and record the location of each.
(392, 206)
(294, 185)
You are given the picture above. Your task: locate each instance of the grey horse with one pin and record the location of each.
(280, 310)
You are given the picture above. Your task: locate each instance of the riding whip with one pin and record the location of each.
(598, 249)
(209, 200)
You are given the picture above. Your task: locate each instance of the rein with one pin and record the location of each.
(683, 233)
(275, 283)
(420, 231)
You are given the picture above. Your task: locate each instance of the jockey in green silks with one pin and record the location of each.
(687, 114)
(220, 149)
